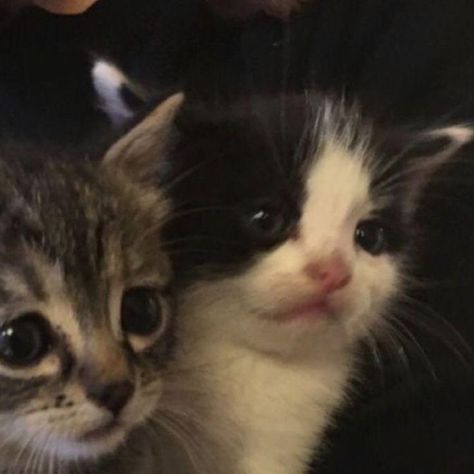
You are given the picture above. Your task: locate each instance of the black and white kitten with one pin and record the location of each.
(85, 310)
(292, 245)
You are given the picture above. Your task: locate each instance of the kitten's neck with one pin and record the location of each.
(272, 412)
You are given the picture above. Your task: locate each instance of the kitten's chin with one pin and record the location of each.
(104, 438)
(93, 445)
(100, 441)
(306, 329)
(309, 311)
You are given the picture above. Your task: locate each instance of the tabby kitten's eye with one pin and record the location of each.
(268, 223)
(370, 235)
(142, 311)
(25, 340)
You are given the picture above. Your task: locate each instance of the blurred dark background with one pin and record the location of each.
(407, 62)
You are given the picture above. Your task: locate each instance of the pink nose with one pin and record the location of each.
(330, 275)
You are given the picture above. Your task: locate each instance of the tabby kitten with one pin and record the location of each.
(292, 240)
(85, 309)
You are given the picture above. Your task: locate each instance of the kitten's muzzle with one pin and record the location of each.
(112, 396)
(328, 275)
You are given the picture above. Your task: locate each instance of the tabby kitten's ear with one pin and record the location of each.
(138, 153)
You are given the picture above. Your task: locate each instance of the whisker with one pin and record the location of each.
(447, 334)
(419, 349)
(374, 349)
(393, 346)
(182, 440)
(178, 214)
(167, 186)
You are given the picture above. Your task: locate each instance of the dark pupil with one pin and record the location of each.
(370, 236)
(267, 224)
(141, 311)
(24, 341)
(267, 221)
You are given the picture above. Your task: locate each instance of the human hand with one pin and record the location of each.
(65, 7)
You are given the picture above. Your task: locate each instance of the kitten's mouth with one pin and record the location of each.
(312, 309)
(102, 431)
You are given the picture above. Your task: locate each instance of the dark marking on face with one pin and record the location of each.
(235, 166)
(240, 176)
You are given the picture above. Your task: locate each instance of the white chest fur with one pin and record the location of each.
(268, 413)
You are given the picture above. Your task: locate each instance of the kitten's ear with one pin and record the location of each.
(138, 153)
(423, 157)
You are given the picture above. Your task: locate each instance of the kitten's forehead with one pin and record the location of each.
(337, 188)
(69, 233)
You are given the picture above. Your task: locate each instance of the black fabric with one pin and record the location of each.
(408, 62)
(45, 92)
(404, 60)
(404, 432)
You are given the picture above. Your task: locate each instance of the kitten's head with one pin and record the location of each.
(85, 309)
(295, 223)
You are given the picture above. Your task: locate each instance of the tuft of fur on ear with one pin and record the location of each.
(421, 158)
(248, 8)
(138, 153)
(437, 148)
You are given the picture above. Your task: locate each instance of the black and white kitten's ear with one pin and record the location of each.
(420, 157)
(139, 152)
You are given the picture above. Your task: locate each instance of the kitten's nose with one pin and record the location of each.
(330, 275)
(113, 396)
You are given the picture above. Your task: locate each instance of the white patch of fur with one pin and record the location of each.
(108, 81)
(277, 384)
(425, 167)
(459, 135)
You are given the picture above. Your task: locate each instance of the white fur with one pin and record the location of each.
(460, 135)
(275, 385)
(108, 81)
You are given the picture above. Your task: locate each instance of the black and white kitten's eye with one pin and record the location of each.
(25, 340)
(370, 235)
(268, 223)
(142, 312)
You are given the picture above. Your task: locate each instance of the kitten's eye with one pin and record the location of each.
(371, 236)
(268, 223)
(142, 311)
(25, 340)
